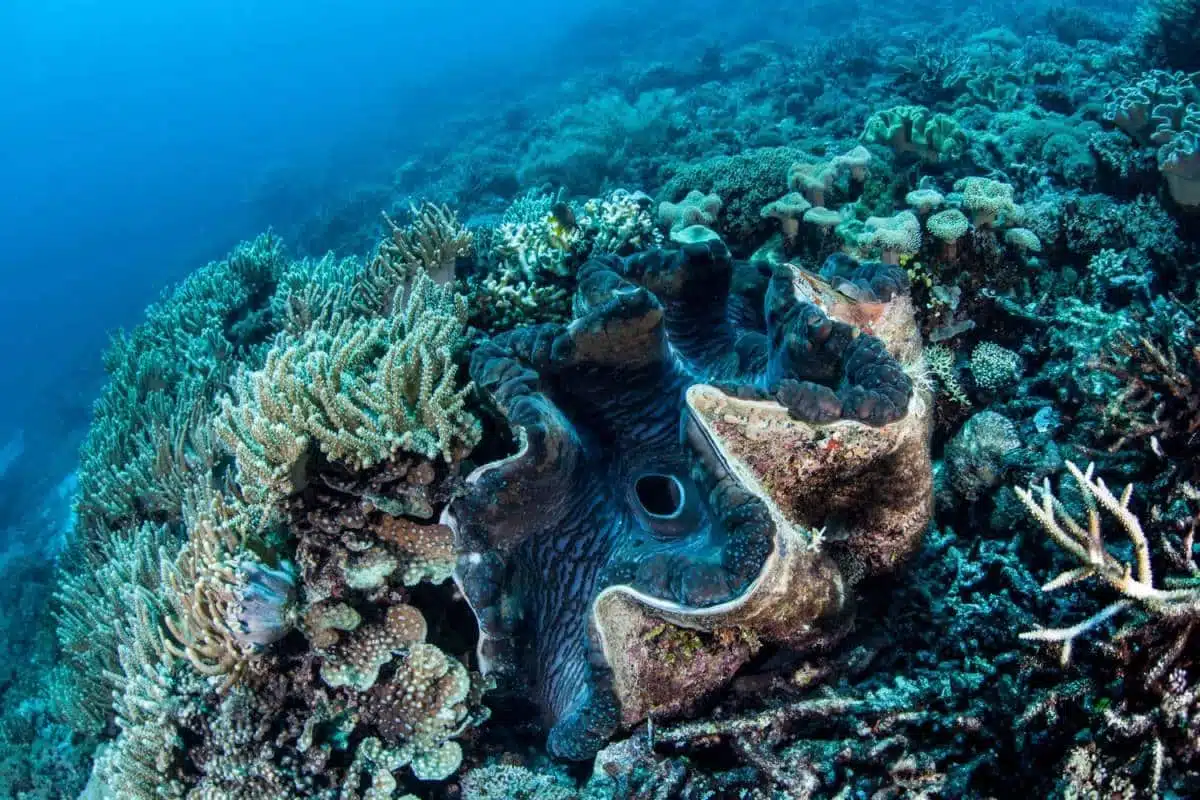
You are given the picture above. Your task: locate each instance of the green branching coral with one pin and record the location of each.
(95, 618)
(148, 430)
(433, 242)
(318, 292)
(148, 443)
(360, 392)
(177, 592)
(140, 763)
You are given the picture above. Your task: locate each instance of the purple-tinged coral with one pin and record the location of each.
(263, 609)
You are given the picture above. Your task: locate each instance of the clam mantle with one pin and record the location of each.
(697, 469)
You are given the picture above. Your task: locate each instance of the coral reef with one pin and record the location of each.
(722, 463)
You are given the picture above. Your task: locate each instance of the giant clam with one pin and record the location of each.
(672, 440)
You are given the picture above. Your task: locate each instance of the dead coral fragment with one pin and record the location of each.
(1082, 541)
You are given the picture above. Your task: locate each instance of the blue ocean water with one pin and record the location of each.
(137, 138)
(480, 421)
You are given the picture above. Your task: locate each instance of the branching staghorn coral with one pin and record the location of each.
(1152, 698)
(1082, 540)
(140, 763)
(162, 376)
(1159, 403)
(432, 242)
(360, 392)
(94, 617)
(316, 292)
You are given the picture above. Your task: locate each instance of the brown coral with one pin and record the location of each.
(357, 661)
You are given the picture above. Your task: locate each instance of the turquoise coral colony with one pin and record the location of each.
(851, 455)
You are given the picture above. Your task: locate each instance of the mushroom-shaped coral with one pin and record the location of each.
(986, 199)
(1023, 239)
(824, 218)
(696, 208)
(948, 227)
(693, 234)
(788, 210)
(893, 237)
(1179, 162)
(915, 129)
(1163, 108)
(1152, 110)
(607, 524)
(925, 200)
(854, 162)
(812, 180)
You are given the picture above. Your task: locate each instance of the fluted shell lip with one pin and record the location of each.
(788, 540)
(447, 518)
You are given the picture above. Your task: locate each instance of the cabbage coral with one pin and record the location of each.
(915, 129)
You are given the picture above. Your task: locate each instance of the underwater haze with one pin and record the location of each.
(481, 401)
(136, 138)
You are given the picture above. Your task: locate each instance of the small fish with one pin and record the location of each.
(563, 215)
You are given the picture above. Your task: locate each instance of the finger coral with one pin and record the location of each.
(359, 393)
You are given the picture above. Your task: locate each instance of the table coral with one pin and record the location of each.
(608, 521)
